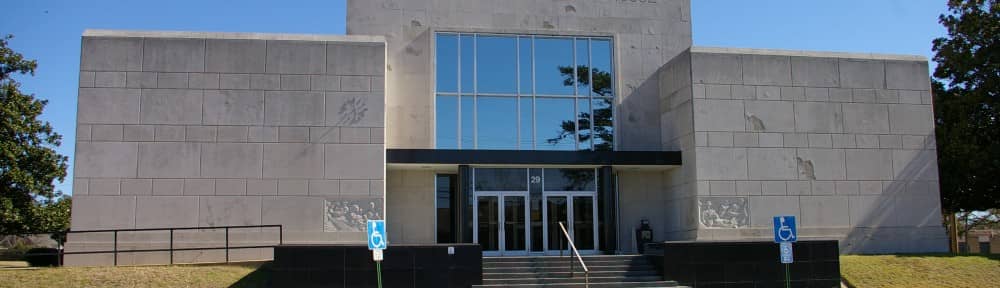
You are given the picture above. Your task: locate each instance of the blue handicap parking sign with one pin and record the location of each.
(784, 229)
(376, 234)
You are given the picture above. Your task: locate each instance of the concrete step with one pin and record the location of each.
(564, 262)
(559, 258)
(577, 279)
(508, 275)
(662, 284)
(565, 268)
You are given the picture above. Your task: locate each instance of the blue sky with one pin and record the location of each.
(49, 31)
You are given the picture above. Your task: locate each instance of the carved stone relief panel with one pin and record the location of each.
(723, 212)
(351, 215)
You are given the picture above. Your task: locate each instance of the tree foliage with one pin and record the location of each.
(29, 165)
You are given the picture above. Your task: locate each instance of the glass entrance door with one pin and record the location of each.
(576, 211)
(501, 223)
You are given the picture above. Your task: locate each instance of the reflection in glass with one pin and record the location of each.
(468, 67)
(468, 124)
(583, 124)
(447, 63)
(501, 179)
(552, 55)
(602, 132)
(489, 223)
(582, 66)
(583, 222)
(527, 123)
(556, 211)
(513, 223)
(497, 122)
(445, 188)
(601, 69)
(524, 64)
(554, 122)
(570, 180)
(495, 67)
(447, 122)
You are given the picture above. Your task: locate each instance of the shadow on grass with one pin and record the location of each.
(259, 278)
(944, 255)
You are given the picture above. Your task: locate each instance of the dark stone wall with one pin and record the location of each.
(352, 266)
(747, 264)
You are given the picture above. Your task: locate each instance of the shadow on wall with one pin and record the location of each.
(903, 217)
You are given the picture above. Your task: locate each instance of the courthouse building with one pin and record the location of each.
(489, 122)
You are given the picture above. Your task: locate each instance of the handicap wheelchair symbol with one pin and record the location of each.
(784, 229)
(376, 234)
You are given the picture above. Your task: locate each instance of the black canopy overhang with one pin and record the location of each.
(529, 157)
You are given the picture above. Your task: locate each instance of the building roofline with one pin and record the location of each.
(233, 35)
(802, 53)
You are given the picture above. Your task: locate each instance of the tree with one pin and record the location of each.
(29, 165)
(601, 130)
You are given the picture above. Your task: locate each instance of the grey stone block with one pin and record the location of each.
(353, 135)
(770, 116)
(166, 212)
(841, 95)
(771, 164)
(820, 141)
(229, 211)
(325, 83)
(771, 140)
(748, 188)
(818, 117)
(744, 92)
(234, 107)
(106, 132)
(817, 94)
(294, 213)
(324, 187)
(173, 55)
(867, 141)
(824, 188)
(293, 187)
(324, 134)
(172, 80)
(354, 188)
(918, 211)
(262, 187)
(296, 57)
(295, 82)
(377, 188)
(88, 79)
(821, 164)
(171, 106)
(293, 134)
(296, 161)
(773, 188)
(355, 161)
(80, 186)
(848, 188)
(233, 133)
(200, 133)
(719, 115)
(716, 68)
(168, 187)
(230, 187)
(348, 59)
(768, 93)
(263, 134)
(887, 96)
(111, 54)
(855, 73)
(799, 187)
(168, 133)
(105, 159)
(199, 187)
(912, 165)
(907, 75)
(294, 108)
(716, 139)
(763, 208)
(793, 93)
(234, 81)
(872, 211)
(139, 133)
(910, 96)
(825, 211)
(815, 72)
(355, 83)
(231, 160)
(890, 142)
(869, 164)
(355, 109)
(741, 139)
(103, 212)
(844, 141)
(721, 163)
(108, 106)
(870, 187)
(169, 160)
(911, 119)
(866, 118)
(767, 70)
(104, 187)
(140, 80)
(109, 79)
(864, 96)
(265, 81)
(203, 81)
(714, 91)
(137, 187)
(235, 56)
(83, 132)
(378, 135)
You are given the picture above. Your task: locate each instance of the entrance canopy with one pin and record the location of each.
(533, 157)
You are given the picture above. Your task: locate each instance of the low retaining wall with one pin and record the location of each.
(747, 264)
(352, 266)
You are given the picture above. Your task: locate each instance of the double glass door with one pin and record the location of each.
(576, 213)
(501, 223)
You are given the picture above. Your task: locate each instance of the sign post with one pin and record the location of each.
(376, 243)
(785, 234)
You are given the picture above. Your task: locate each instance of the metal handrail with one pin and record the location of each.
(586, 272)
(115, 251)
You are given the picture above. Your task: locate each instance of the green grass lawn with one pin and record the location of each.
(244, 275)
(942, 270)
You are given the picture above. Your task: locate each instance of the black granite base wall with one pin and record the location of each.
(352, 266)
(747, 264)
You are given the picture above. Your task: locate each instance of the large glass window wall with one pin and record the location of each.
(524, 92)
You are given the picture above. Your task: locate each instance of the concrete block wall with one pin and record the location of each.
(647, 34)
(845, 142)
(179, 129)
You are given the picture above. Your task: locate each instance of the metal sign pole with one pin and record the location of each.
(788, 282)
(378, 267)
